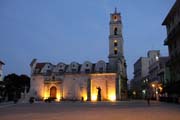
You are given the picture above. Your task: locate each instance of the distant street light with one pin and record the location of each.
(153, 85)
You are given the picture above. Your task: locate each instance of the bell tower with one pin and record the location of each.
(115, 40)
(117, 61)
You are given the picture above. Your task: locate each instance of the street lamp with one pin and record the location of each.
(153, 85)
(155, 91)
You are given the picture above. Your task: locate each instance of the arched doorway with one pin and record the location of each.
(53, 92)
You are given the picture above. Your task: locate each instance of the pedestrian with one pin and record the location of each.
(82, 99)
(148, 96)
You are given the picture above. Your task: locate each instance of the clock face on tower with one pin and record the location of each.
(115, 18)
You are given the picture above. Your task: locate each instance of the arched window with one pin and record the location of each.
(53, 77)
(100, 66)
(115, 31)
(115, 18)
(115, 43)
(115, 51)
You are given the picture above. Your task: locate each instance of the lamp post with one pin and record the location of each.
(145, 88)
(155, 91)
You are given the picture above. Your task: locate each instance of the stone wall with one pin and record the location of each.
(37, 86)
(75, 86)
(107, 83)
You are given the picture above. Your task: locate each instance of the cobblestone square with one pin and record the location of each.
(127, 110)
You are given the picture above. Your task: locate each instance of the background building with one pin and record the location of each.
(172, 23)
(1, 81)
(157, 76)
(154, 56)
(1, 70)
(87, 81)
(149, 73)
(140, 72)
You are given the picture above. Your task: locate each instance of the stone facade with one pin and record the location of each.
(117, 62)
(85, 81)
(172, 23)
(1, 70)
(106, 82)
(73, 85)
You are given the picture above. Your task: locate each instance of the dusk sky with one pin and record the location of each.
(77, 30)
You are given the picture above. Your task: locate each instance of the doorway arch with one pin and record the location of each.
(53, 92)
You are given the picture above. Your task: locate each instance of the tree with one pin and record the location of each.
(15, 85)
(25, 82)
(2, 90)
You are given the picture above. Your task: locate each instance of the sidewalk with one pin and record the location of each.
(5, 104)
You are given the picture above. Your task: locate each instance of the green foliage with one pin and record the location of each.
(15, 85)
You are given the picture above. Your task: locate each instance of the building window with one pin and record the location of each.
(115, 43)
(87, 65)
(74, 70)
(60, 70)
(115, 31)
(175, 44)
(87, 71)
(48, 72)
(101, 70)
(115, 51)
(53, 77)
(115, 18)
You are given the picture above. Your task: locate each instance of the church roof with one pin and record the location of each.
(33, 61)
(40, 65)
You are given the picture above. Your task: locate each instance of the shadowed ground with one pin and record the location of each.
(128, 110)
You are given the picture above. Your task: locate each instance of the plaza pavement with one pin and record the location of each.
(125, 110)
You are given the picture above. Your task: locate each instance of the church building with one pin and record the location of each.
(106, 81)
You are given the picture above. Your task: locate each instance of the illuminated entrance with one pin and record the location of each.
(53, 92)
(103, 87)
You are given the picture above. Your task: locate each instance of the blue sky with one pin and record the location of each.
(77, 30)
